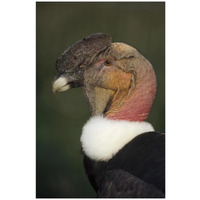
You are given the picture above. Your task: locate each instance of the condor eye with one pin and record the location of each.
(107, 62)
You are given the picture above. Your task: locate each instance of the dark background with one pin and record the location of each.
(60, 117)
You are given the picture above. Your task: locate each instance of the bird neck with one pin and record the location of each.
(135, 104)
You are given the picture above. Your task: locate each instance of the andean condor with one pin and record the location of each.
(123, 155)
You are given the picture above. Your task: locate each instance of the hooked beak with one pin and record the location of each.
(65, 81)
(61, 83)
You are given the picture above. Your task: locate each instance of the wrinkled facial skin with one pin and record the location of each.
(107, 76)
(103, 81)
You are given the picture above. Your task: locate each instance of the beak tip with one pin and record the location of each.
(60, 84)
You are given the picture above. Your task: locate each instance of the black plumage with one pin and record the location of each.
(137, 170)
(119, 183)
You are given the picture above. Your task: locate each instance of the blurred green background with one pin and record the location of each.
(60, 117)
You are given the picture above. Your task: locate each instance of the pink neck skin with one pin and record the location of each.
(139, 103)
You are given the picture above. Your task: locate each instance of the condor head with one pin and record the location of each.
(117, 80)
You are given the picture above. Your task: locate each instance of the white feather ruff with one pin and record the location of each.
(102, 138)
